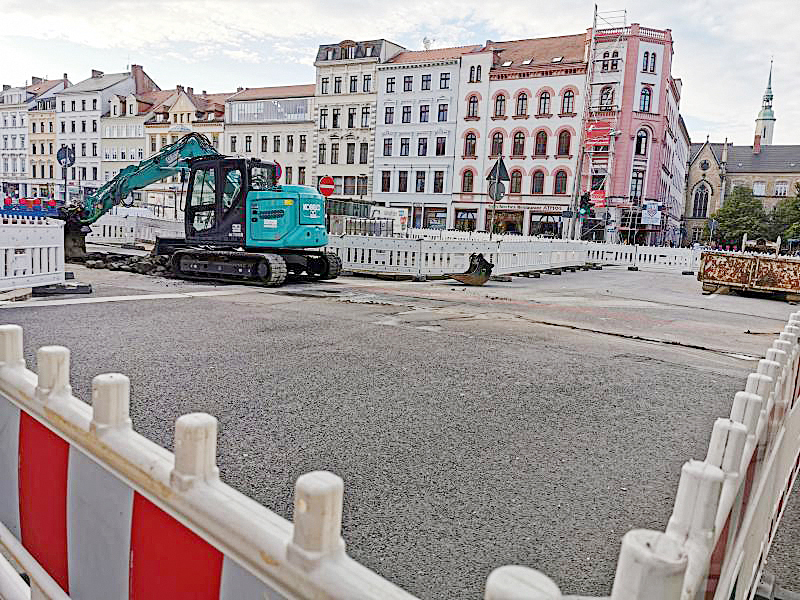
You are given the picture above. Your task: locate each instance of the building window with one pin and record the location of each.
(478, 74)
(402, 181)
(351, 154)
(363, 153)
(349, 185)
(516, 182)
(63, 127)
(33, 171)
(438, 182)
(264, 147)
(472, 106)
(389, 85)
(544, 103)
(645, 61)
(365, 116)
(540, 147)
(467, 179)
(641, 143)
(94, 126)
(405, 143)
(781, 188)
(759, 188)
(248, 143)
(302, 143)
(442, 113)
(323, 118)
(408, 82)
(388, 117)
(441, 143)
(426, 82)
(472, 74)
(606, 98)
(386, 181)
(276, 143)
(335, 117)
(518, 147)
(353, 83)
(615, 61)
(522, 105)
(367, 83)
(152, 144)
(94, 104)
(334, 153)
(351, 118)
(644, 100)
(605, 61)
(337, 85)
(290, 143)
(700, 208)
(444, 81)
(323, 85)
(637, 184)
(424, 111)
(470, 143)
(420, 182)
(301, 175)
(94, 149)
(73, 126)
(497, 144)
(288, 175)
(94, 173)
(653, 62)
(406, 114)
(568, 102)
(500, 106)
(387, 146)
(322, 153)
(33, 125)
(560, 184)
(564, 140)
(63, 106)
(537, 186)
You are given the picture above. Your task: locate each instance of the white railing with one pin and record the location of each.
(107, 512)
(132, 228)
(31, 252)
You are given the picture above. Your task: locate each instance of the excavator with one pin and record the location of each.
(240, 224)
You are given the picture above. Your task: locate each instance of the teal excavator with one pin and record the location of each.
(240, 224)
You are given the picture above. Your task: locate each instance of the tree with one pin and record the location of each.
(785, 219)
(742, 213)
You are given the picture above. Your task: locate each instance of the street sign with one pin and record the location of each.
(503, 171)
(326, 186)
(598, 133)
(66, 157)
(497, 190)
(597, 196)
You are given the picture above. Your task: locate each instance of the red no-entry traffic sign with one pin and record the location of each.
(326, 186)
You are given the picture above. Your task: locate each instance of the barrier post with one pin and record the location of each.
(53, 363)
(513, 582)
(318, 498)
(11, 347)
(651, 566)
(110, 402)
(195, 450)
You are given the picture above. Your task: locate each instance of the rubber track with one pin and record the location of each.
(277, 266)
(277, 270)
(334, 266)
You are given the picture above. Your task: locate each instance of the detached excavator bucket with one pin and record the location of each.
(75, 242)
(479, 272)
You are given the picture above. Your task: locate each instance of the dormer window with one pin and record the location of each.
(329, 54)
(527, 61)
(351, 52)
(507, 63)
(558, 59)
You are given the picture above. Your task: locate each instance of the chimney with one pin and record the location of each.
(6, 87)
(239, 89)
(757, 144)
(35, 80)
(66, 80)
(179, 87)
(96, 73)
(204, 92)
(190, 91)
(725, 151)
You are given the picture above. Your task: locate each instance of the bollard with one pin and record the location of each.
(318, 498)
(651, 566)
(513, 582)
(11, 347)
(195, 450)
(110, 402)
(53, 363)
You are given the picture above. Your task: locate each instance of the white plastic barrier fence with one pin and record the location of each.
(91, 509)
(31, 252)
(727, 508)
(128, 229)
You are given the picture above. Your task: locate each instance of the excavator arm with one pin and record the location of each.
(170, 160)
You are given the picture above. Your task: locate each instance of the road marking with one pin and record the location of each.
(175, 296)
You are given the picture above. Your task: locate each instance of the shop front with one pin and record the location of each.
(546, 220)
(466, 219)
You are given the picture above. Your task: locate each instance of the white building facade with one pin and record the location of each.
(416, 132)
(274, 124)
(523, 101)
(344, 111)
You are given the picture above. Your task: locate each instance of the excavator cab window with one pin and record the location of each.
(203, 199)
(233, 186)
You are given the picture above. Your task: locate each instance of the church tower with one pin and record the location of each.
(765, 123)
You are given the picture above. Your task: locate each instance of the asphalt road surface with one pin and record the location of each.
(531, 422)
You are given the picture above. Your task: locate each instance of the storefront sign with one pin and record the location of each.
(545, 209)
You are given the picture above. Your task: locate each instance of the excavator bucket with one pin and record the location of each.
(479, 272)
(75, 242)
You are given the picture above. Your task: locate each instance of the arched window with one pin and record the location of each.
(544, 103)
(538, 183)
(469, 144)
(615, 60)
(472, 106)
(522, 105)
(497, 144)
(645, 61)
(518, 149)
(466, 181)
(700, 203)
(605, 61)
(653, 62)
(606, 97)
(564, 139)
(472, 74)
(516, 182)
(641, 143)
(478, 74)
(540, 148)
(500, 106)
(568, 102)
(644, 100)
(560, 185)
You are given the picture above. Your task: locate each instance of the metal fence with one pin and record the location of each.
(31, 252)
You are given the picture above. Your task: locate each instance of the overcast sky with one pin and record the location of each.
(722, 47)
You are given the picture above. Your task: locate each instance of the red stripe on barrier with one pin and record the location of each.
(167, 559)
(43, 460)
(717, 560)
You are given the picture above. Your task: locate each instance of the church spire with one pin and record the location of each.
(765, 123)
